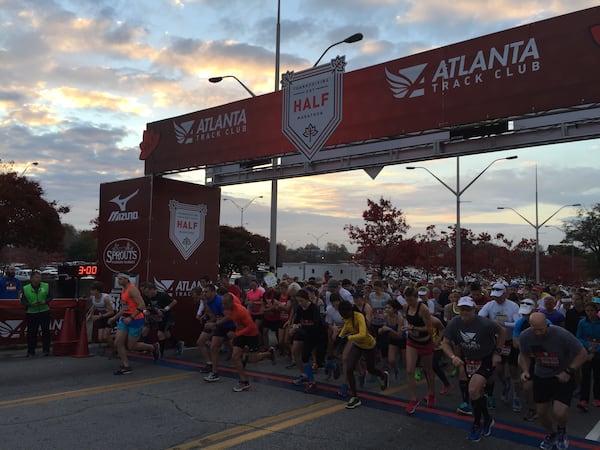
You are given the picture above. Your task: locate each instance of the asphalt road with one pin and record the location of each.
(77, 403)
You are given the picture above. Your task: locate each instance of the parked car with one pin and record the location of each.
(23, 274)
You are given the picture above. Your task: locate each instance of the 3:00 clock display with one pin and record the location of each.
(86, 270)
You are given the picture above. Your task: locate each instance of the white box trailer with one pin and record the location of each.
(304, 270)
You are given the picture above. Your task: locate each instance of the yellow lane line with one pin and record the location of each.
(251, 426)
(278, 427)
(91, 391)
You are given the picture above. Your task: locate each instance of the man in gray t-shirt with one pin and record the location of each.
(558, 354)
(479, 340)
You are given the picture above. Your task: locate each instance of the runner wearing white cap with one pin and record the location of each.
(476, 337)
(506, 313)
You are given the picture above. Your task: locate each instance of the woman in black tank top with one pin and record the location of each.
(417, 331)
(419, 344)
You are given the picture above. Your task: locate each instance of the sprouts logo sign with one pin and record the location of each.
(511, 60)
(211, 127)
(122, 255)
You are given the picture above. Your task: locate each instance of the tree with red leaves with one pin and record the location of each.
(26, 218)
(379, 241)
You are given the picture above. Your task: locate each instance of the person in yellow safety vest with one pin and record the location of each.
(36, 298)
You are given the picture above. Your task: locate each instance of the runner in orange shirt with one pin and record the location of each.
(246, 341)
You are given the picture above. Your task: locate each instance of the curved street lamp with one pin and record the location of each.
(537, 227)
(34, 163)
(219, 79)
(273, 219)
(349, 40)
(241, 208)
(317, 238)
(457, 193)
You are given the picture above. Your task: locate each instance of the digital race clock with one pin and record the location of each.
(86, 270)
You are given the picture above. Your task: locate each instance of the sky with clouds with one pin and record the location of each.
(81, 78)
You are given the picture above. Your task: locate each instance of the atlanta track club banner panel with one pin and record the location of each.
(543, 66)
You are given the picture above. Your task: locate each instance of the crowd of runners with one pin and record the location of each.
(534, 347)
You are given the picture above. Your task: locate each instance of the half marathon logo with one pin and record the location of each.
(187, 226)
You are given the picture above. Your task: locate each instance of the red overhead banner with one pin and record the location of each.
(547, 65)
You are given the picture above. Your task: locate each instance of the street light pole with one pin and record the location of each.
(34, 163)
(219, 79)
(317, 238)
(273, 236)
(241, 208)
(538, 225)
(458, 193)
(349, 40)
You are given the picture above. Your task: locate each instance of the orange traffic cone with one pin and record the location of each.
(65, 344)
(82, 350)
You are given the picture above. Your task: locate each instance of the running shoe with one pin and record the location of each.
(505, 392)
(412, 406)
(180, 347)
(124, 371)
(156, 351)
(531, 415)
(207, 368)
(429, 400)
(548, 442)
(301, 379)
(582, 405)
(291, 365)
(273, 355)
(385, 381)
(445, 390)
(465, 409)
(487, 426)
(418, 375)
(491, 402)
(354, 402)
(311, 387)
(597, 403)
(212, 377)
(475, 434)
(241, 386)
(562, 441)
(516, 404)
